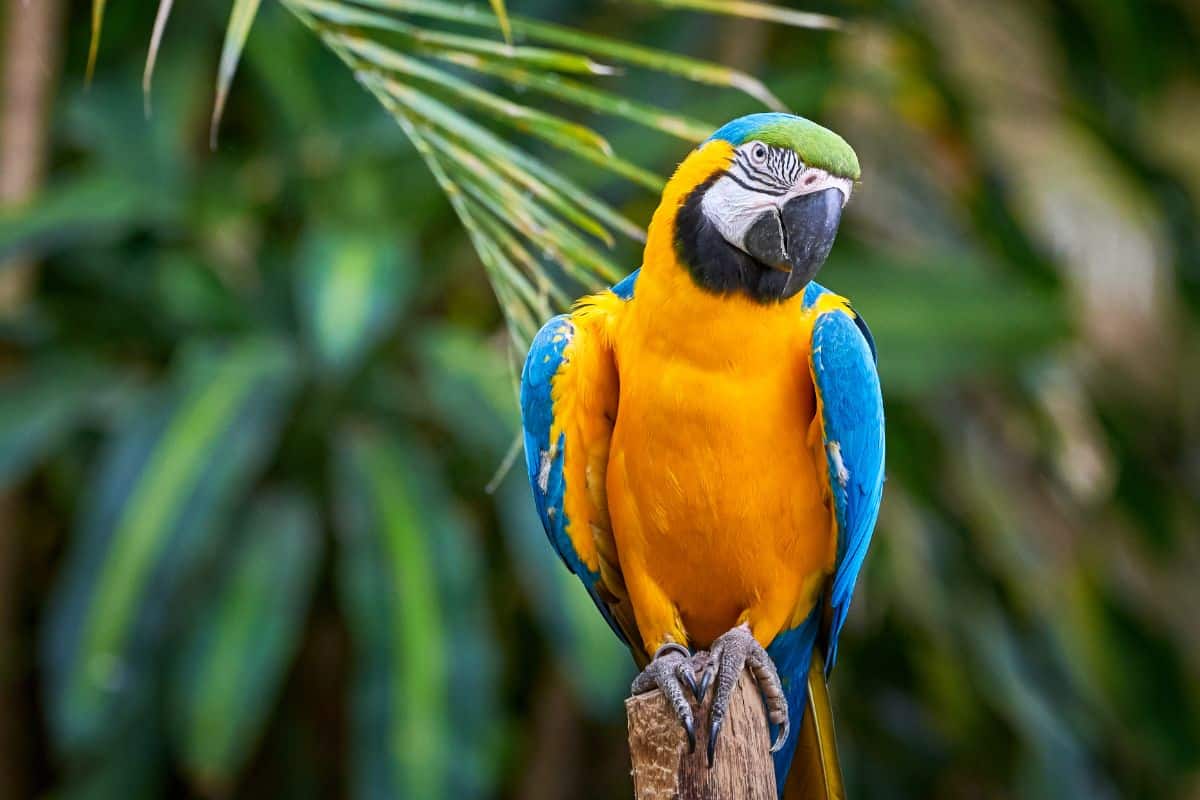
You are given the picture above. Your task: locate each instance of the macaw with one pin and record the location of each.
(705, 440)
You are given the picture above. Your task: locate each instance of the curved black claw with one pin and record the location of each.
(733, 651)
(668, 672)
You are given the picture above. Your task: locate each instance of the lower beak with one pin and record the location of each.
(798, 237)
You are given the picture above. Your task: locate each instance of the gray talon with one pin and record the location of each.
(733, 651)
(705, 667)
(685, 673)
(668, 672)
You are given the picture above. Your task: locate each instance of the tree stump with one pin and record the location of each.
(664, 770)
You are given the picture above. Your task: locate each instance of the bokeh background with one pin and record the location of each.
(252, 398)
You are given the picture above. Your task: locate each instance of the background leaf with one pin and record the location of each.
(350, 286)
(1023, 244)
(38, 409)
(424, 674)
(159, 500)
(229, 671)
(240, 20)
(472, 391)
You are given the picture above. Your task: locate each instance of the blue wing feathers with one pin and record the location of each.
(847, 382)
(544, 463)
(624, 288)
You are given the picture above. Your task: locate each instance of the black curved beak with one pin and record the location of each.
(797, 238)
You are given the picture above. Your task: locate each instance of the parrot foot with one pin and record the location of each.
(669, 672)
(731, 652)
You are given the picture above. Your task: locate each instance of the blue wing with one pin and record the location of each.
(547, 360)
(851, 408)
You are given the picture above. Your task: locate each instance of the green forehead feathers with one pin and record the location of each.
(816, 146)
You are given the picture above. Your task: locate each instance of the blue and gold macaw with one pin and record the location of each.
(705, 440)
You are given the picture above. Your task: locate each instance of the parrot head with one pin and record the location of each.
(764, 219)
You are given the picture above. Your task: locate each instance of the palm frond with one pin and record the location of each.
(160, 26)
(603, 47)
(240, 19)
(94, 44)
(437, 68)
(501, 12)
(752, 10)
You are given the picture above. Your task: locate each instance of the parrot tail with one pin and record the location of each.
(816, 773)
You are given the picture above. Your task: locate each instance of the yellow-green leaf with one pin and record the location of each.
(159, 494)
(751, 10)
(240, 20)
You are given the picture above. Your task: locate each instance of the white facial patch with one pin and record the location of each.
(733, 209)
(761, 178)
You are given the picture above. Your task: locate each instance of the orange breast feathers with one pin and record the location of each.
(717, 493)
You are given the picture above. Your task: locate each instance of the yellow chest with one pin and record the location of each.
(714, 487)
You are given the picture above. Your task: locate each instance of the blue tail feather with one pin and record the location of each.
(791, 651)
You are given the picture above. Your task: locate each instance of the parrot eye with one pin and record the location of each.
(758, 154)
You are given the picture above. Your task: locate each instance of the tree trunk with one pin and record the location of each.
(32, 31)
(664, 770)
(31, 52)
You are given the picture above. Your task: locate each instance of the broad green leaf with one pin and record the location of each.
(410, 581)
(38, 407)
(132, 765)
(1150, 686)
(158, 503)
(470, 390)
(590, 655)
(981, 321)
(240, 20)
(88, 208)
(230, 668)
(350, 286)
(1006, 667)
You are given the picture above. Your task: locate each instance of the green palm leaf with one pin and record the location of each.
(350, 286)
(38, 408)
(520, 213)
(410, 582)
(230, 669)
(472, 393)
(161, 493)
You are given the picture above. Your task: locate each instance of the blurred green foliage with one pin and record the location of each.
(249, 410)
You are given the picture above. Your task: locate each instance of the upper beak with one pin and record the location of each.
(798, 237)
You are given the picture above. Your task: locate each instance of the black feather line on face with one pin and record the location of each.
(714, 264)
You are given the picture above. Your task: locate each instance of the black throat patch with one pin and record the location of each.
(716, 265)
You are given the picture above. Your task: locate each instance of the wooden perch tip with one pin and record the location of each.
(664, 770)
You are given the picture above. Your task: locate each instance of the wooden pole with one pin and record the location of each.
(32, 36)
(664, 770)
